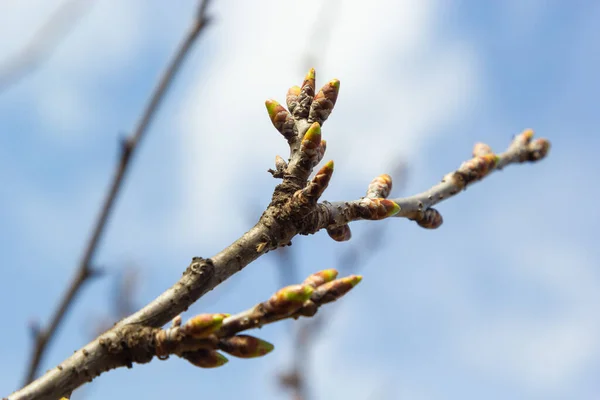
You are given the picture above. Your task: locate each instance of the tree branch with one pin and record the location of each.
(294, 209)
(128, 148)
(43, 43)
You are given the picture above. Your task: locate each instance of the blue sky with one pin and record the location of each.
(500, 302)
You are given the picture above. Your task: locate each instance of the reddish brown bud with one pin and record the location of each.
(375, 209)
(318, 184)
(305, 97)
(431, 219)
(288, 299)
(331, 291)
(291, 98)
(538, 149)
(321, 277)
(324, 102)
(205, 358)
(245, 346)
(477, 167)
(380, 187)
(203, 325)
(281, 119)
(340, 233)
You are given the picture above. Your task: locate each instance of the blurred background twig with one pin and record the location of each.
(129, 145)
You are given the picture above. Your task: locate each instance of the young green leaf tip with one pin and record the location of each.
(321, 277)
(288, 299)
(203, 325)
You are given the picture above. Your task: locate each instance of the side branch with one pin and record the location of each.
(419, 208)
(85, 270)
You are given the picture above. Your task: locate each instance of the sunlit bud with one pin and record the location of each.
(324, 102)
(380, 187)
(288, 299)
(321, 277)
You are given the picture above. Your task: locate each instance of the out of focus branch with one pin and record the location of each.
(129, 145)
(307, 332)
(44, 42)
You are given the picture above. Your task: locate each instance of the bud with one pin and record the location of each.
(205, 358)
(340, 233)
(431, 219)
(305, 97)
(203, 325)
(321, 150)
(324, 102)
(333, 290)
(280, 163)
(523, 138)
(375, 209)
(538, 149)
(311, 141)
(319, 183)
(477, 167)
(291, 98)
(245, 346)
(288, 299)
(321, 277)
(380, 187)
(281, 119)
(481, 149)
(309, 82)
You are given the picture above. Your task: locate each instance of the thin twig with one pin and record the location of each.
(44, 42)
(128, 147)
